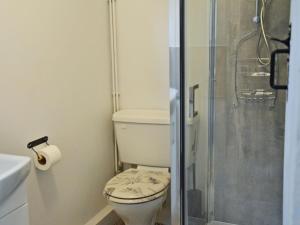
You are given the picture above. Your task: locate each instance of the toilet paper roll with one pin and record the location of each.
(50, 155)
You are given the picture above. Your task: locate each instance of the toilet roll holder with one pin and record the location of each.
(31, 145)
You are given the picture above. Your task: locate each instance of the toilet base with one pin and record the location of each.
(139, 214)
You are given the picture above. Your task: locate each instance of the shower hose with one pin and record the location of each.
(263, 61)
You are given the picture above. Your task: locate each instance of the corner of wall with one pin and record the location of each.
(105, 217)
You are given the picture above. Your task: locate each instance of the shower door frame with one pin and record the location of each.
(211, 110)
(291, 190)
(182, 109)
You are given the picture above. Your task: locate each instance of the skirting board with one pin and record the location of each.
(105, 217)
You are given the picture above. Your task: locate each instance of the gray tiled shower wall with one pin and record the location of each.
(249, 138)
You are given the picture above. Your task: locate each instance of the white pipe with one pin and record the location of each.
(113, 71)
(117, 94)
(112, 54)
(116, 55)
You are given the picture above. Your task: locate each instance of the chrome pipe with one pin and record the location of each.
(256, 18)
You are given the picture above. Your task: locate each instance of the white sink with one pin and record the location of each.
(13, 170)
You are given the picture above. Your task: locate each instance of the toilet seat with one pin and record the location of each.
(137, 186)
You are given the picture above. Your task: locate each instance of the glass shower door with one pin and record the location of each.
(197, 31)
(249, 115)
(233, 119)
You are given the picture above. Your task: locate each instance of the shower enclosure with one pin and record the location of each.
(231, 149)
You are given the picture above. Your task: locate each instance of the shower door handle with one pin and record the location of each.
(273, 60)
(272, 69)
(192, 111)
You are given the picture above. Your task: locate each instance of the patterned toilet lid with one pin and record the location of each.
(137, 183)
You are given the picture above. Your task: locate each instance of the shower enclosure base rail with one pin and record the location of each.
(219, 223)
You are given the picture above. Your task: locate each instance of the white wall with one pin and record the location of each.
(143, 53)
(55, 81)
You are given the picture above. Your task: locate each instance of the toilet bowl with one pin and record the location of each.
(137, 195)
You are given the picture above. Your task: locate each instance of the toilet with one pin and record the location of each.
(137, 194)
